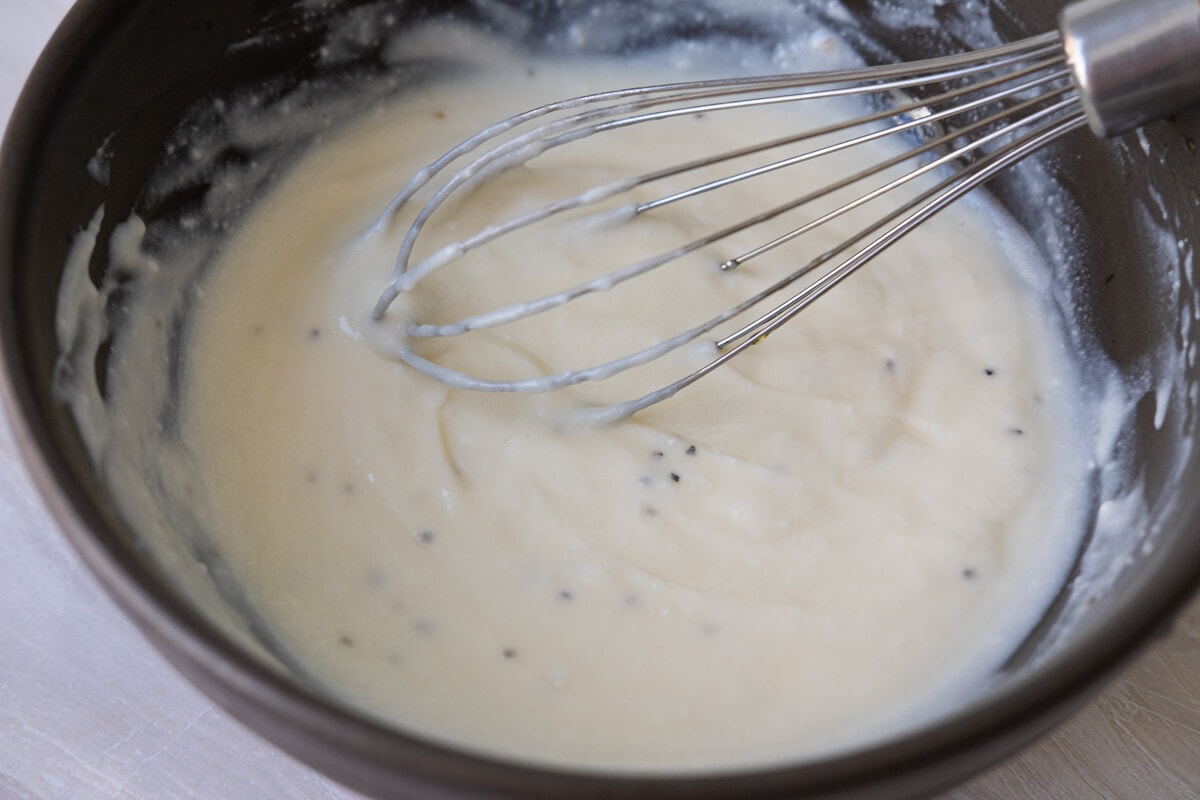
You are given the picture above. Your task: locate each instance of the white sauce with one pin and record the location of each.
(880, 503)
(759, 565)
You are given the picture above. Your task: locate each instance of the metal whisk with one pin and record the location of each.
(1113, 65)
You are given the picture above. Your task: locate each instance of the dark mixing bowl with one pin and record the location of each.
(120, 77)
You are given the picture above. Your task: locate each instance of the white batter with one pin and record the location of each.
(846, 530)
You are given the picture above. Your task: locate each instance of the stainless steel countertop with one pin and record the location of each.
(89, 710)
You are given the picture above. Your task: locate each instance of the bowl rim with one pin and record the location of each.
(371, 756)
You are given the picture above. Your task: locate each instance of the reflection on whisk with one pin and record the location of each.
(964, 119)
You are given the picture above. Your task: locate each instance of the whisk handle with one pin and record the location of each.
(1134, 61)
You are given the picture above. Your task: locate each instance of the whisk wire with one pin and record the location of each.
(512, 313)
(795, 305)
(908, 112)
(979, 114)
(921, 207)
(947, 159)
(546, 136)
(918, 211)
(957, 65)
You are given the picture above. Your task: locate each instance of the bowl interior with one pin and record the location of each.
(124, 85)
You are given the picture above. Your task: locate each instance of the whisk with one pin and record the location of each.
(1113, 66)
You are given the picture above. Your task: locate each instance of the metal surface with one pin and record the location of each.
(1134, 60)
(992, 108)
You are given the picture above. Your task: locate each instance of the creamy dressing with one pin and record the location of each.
(843, 533)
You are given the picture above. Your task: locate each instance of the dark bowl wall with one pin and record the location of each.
(130, 70)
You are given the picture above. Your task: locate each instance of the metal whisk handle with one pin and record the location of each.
(1134, 61)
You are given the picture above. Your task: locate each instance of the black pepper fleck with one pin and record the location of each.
(1109, 279)
(565, 596)
(970, 573)
(510, 653)
(889, 365)
(425, 537)
(691, 451)
(675, 477)
(657, 454)
(989, 371)
(1016, 431)
(314, 333)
